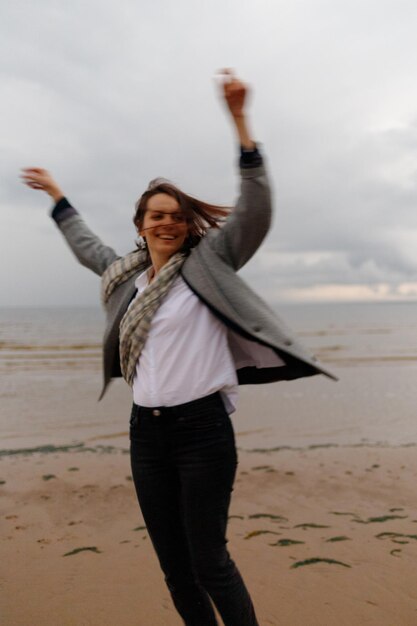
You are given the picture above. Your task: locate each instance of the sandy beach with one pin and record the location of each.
(324, 536)
(323, 528)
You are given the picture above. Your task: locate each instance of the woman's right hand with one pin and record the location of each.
(38, 178)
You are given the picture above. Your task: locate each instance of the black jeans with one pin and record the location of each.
(183, 464)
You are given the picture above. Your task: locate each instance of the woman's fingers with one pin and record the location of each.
(39, 178)
(36, 173)
(31, 181)
(230, 83)
(34, 185)
(39, 170)
(227, 73)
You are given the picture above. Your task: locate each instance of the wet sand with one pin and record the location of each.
(323, 536)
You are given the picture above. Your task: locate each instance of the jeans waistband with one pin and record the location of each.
(187, 408)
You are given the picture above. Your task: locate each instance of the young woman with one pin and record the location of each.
(184, 331)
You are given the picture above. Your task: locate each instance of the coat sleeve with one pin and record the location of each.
(87, 247)
(249, 222)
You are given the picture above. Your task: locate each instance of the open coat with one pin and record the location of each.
(210, 272)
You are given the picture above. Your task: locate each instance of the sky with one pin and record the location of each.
(108, 96)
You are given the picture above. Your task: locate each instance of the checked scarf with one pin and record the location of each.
(135, 324)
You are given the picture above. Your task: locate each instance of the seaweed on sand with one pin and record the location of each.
(343, 513)
(381, 518)
(393, 552)
(268, 515)
(255, 533)
(286, 542)
(392, 535)
(339, 538)
(318, 560)
(311, 525)
(87, 549)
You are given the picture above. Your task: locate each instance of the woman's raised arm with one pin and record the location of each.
(250, 220)
(87, 247)
(235, 94)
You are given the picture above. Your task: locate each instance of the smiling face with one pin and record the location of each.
(164, 226)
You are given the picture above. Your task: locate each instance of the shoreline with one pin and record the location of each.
(81, 446)
(322, 534)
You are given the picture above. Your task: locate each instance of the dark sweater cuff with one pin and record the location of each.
(62, 210)
(250, 158)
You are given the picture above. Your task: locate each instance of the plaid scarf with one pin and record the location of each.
(135, 324)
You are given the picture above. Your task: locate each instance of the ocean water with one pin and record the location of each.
(50, 366)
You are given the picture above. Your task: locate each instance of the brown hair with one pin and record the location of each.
(200, 215)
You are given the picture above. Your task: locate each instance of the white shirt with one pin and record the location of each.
(186, 355)
(189, 353)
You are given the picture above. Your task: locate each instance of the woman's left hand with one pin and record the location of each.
(235, 93)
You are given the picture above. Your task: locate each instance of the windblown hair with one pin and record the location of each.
(200, 215)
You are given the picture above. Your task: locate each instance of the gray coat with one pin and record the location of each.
(210, 272)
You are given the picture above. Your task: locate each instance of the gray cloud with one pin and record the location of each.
(108, 97)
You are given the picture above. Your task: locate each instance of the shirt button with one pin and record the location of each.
(256, 328)
(288, 342)
(156, 412)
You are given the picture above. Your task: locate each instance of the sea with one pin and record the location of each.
(50, 381)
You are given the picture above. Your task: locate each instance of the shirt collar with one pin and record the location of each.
(141, 281)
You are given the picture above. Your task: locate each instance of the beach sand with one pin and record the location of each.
(75, 551)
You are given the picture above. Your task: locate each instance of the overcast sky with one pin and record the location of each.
(109, 95)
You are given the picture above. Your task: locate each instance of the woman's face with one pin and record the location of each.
(164, 227)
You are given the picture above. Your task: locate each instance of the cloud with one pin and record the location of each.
(109, 96)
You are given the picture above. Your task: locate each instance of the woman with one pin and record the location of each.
(188, 331)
